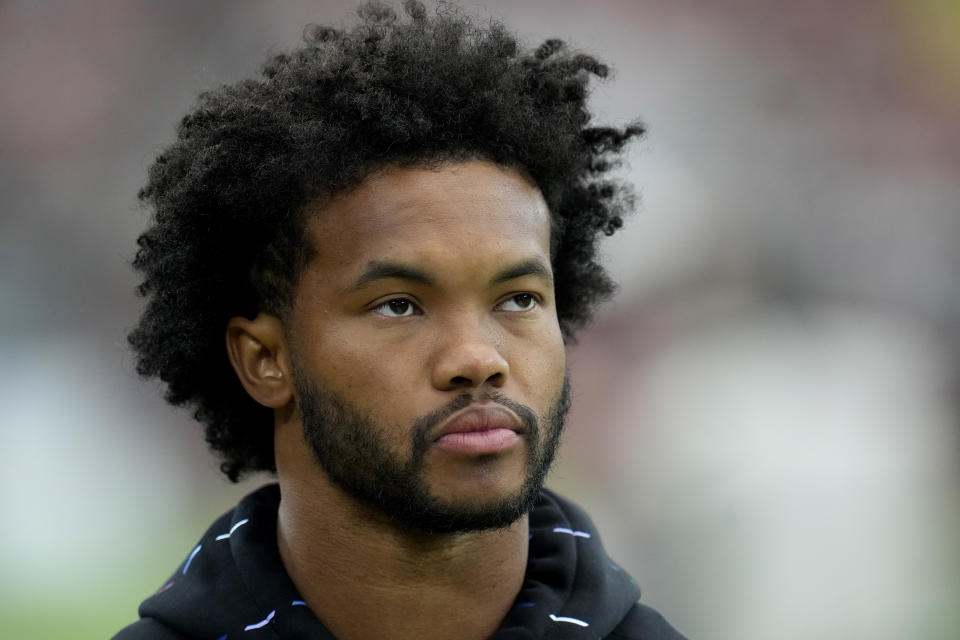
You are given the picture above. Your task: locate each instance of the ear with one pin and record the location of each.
(258, 352)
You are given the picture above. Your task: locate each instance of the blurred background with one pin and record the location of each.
(767, 419)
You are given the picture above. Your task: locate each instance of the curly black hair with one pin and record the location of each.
(229, 195)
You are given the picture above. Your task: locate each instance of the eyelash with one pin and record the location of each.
(387, 305)
(534, 300)
(415, 310)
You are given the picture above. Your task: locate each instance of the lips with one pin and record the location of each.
(479, 429)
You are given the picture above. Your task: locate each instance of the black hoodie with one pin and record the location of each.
(233, 586)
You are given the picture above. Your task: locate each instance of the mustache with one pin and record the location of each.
(425, 424)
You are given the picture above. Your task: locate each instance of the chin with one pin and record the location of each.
(477, 500)
(484, 505)
(480, 483)
(468, 516)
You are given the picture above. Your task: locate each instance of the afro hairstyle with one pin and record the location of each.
(228, 196)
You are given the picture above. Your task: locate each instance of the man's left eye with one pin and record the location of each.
(519, 302)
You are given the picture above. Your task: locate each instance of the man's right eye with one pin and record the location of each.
(396, 308)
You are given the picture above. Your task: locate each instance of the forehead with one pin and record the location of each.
(473, 208)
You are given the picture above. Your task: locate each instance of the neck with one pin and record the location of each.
(364, 576)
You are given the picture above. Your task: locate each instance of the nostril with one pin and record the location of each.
(460, 380)
(495, 379)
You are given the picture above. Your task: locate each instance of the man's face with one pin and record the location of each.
(428, 361)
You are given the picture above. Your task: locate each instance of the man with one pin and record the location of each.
(393, 231)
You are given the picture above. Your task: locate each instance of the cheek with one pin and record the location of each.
(542, 368)
(346, 366)
(373, 379)
(558, 368)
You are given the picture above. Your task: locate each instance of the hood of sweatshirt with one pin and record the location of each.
(233, 585)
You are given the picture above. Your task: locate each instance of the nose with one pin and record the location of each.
(469, 357)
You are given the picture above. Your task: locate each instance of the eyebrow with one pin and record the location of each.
(532, 267)
(378, 270)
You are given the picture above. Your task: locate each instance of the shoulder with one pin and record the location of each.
(148, 629)
(644, 623)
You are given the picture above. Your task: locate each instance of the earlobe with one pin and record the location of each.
(257, 351)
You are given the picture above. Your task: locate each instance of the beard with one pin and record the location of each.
(352, 450)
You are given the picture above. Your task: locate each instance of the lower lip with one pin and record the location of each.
(478, 442)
